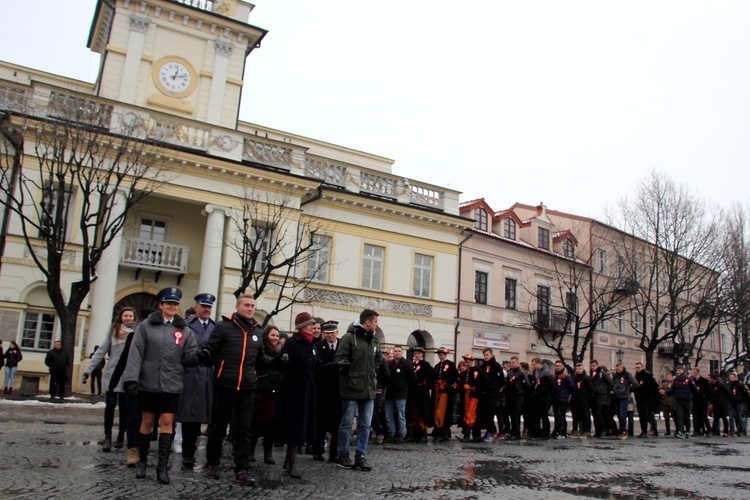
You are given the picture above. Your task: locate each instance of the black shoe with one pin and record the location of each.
(107, 446)
(344, 462)
(318, 457)
(243, 477)
(188, 462)
(360, 462)
(212, 471)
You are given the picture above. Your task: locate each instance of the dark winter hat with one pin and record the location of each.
(205, 299)
(330, 326)
(302, 320)
(171, 294)
(417, 348)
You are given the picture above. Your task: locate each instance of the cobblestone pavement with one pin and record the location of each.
(50, 451)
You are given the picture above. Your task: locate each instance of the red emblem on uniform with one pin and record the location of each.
(177, 337)
(445, 368)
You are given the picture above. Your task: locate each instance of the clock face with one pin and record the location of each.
(175, 77)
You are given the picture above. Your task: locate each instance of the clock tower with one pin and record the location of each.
(183, 57)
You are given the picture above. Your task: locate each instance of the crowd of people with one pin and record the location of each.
(176, 379)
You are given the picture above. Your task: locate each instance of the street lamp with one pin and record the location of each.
(620, 354)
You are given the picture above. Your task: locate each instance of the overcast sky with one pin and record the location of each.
(564, 102)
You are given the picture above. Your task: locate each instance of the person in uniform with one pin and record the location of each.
(162, 345)
(472, 383)
(419, 404)
(197, 398)
(328, 407)
(445, 395)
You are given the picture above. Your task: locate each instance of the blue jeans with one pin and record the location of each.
(391, 406)
(736, 415)
(622, 414)
(364, 418)
(10, 376)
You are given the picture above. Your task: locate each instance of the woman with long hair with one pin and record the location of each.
(114, 345)
(269, 378)
(12, 357)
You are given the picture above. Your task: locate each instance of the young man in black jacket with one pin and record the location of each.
(583, 389)
(603, 386)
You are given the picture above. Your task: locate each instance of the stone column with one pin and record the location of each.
(102, 296)
(213, 243)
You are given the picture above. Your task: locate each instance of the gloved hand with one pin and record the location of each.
(205, 356)
(131, 388)
(85, 378)
(344, 366)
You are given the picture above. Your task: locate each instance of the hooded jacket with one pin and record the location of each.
(362, 349)
(236, 345)
(625, 383)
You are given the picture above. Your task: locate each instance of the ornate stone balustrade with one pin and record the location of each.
(263, 152)
(207, 5)
(421, 195)
(79, 110)
(12, 99)
(378, 184)
(178, 133)
(154, 255)
(323, 171)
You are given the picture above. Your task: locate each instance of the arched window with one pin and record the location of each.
(480, 219)
(509, 229)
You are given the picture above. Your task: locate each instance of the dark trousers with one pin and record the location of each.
(112, 401)
(57, 384)
(720, 415)
(542, 416)
(646, 417)
(682, 411)
(227, 401)
(190, 433)
(328, 421)
(513, 405)
(701, 425)
(561, 424)
(581, 416)
(597, 412)
(96, 380)
(133, 425)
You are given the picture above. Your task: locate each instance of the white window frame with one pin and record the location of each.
(543, 235)
(510, 229)
(422, 280)
(603, 262)
(266, 232)
(373, 262)
(319, 262)
(481, 219)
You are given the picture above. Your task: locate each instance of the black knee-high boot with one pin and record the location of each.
(144, 442)
(291, 461)
(165, 447)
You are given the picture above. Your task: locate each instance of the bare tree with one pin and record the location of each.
(85, 170)
(735, 283)
(667, 257)
(280, 255)
(586, 296)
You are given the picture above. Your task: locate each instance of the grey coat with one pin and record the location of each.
(114, 351)
(625, 383)
(159, 353)
(198, 393)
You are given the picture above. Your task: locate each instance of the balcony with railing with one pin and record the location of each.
(555, 322)
(154, 255)
(672, 350)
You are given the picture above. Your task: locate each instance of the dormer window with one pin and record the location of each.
(480, 219)
(568, 249)
(509, 229)
(544, 238)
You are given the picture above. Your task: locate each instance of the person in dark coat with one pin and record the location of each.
(12, 357)
(561, 394)
(736, 405)
(543, 382)
(603, 386)
(702, 399)
(490, 402)
(472, 382)
(419, 403)
(684, 389)
(57, 361)
(328, 404)
(197, 396)
(445, 395)
(516, 386)
(720, 395)
(401, 377)
(295, 408)
(580, 407)
(234, 348)
(266, 395)
(646, 397)
(624, 384)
